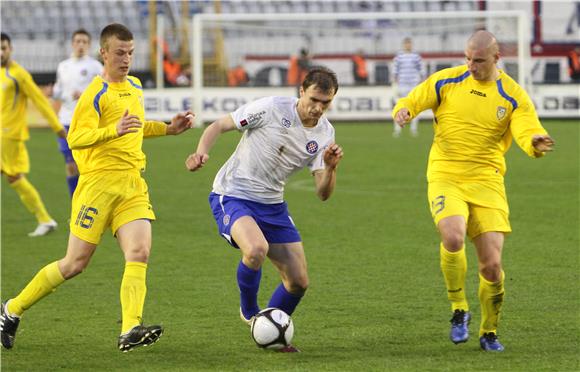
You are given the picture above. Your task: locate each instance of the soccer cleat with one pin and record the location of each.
(8, 327)
(459, 326)
(246, 320)
(489, 342)
(43, 229)
(140, 336)
(288, 349)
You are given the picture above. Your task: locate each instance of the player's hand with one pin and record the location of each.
(76, 95)
(128, 124)
(180, 123)
(543, 143)
(332, 155)
(196, 161)
(402, 117)
(61, 133)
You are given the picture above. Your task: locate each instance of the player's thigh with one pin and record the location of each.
(92, 206)
(135, 240)
(290, 260)
(446, 199)
(248, 236)
(15, 159)
(77, 257)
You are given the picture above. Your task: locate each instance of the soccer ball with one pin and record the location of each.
(272, 329)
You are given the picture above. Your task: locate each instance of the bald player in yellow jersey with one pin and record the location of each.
(477, 109)
(17, 88)
(106, 136)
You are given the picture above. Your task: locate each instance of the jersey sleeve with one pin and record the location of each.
(33, 92)
(154, 129)
(525, 124)
(254, 114)
(84, 130)
(421, 98)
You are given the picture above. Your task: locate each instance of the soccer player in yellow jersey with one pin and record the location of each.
(478, 109)
(106, 136)
(17, 88)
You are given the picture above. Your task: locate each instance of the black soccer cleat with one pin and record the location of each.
(140, 336)
(8, 327)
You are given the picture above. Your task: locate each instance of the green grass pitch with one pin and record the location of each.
(377, 299)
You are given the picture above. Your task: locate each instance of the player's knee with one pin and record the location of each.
(299, 286)
(138, 253)
(491, 271)
(72, 268)
(454, 241)
(256, 255)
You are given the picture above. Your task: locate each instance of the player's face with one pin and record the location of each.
(6, 52)
(314, 102)
(117, 57)
(80, 45)
(481, 63)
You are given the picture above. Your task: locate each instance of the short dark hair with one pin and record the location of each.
(81, 31)
(5, 37)
(117, 30)
(324, 79)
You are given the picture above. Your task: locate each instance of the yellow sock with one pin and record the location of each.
(31, 199)
(133, 290)
(490, 298)
(454, 267)
(44, 283)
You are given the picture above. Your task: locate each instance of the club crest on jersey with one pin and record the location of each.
(226, 219)
(312, 147)
(286, 123)
(501, 111)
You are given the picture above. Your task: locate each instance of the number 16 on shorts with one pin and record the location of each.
(86, 217)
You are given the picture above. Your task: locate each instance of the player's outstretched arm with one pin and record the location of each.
(326, 179)
(543, 143)
(180, 123)
(206, 142)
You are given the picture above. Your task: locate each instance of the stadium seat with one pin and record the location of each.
(552, 73)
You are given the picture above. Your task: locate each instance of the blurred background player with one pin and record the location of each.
(479, 109)
(408, 71)
(282, 135)
(106, 136)
(359, 68)
(72, 77)
(17, 88)
(574, 64)
(299, 67)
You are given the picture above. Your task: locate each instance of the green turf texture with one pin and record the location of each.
(377, 300)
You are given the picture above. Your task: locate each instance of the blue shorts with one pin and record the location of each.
(273, 219)
(63, 147)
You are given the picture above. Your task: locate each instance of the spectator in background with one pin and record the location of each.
(299, 67)
(574, 64)
(17, 88)
(359, 69)
(408, 71)
(73, 75)
(237, 76)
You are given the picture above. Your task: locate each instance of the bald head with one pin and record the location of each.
(483, 40)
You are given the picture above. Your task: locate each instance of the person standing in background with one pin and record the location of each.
(73, 75)
(408, 71)
(17, 87)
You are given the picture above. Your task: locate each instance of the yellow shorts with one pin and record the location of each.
(106, 199)
(14, 157)
(483, 204)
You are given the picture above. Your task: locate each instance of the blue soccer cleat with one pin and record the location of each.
(459, 326)
(489, 342)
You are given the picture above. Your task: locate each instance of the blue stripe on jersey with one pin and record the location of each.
(16, 86)
(98, 97)
(441, 83)
(505, 95)
(134, 84)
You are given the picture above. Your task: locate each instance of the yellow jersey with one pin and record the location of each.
(93, 137)
(17, 87)
(474, 122)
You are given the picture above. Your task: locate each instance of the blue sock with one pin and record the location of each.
(284, 300)
(249, 283)
(72, 183)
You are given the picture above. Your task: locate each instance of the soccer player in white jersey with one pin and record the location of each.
(281, 135)
(73, 75)
(408, 72)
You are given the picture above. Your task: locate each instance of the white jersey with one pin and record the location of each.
(408, 71)
(73, 75)
(275, 144)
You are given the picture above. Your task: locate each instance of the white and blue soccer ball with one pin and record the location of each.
(272, 329)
